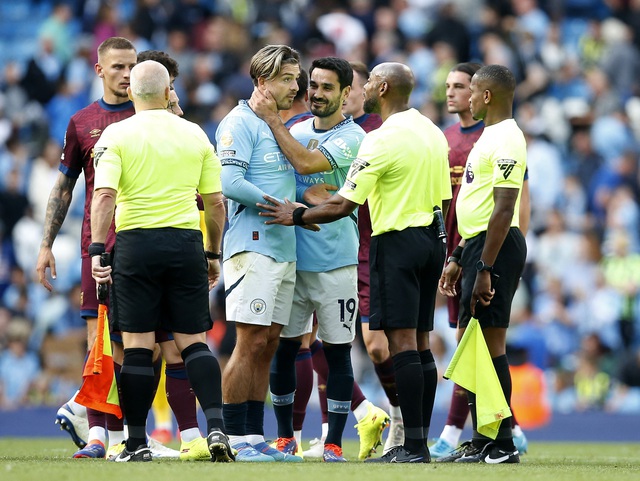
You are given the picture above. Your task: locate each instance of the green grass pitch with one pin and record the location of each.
(43, 459)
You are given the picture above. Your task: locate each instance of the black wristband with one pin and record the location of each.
(297, 216)
(96, 248)
(457, 252)
(211, 255)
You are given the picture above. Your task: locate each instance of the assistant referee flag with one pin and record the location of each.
(99, 390)
(472, 368)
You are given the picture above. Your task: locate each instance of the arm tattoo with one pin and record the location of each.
(57, 208)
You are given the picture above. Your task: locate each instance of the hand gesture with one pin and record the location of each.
(263, 104)
(318, 193)
(282, 213)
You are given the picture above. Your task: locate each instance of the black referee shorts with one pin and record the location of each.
(508, 268)
(160, 281)
(405, 268)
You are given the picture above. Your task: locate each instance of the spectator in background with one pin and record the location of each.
(621, 270)
(42, 73)
(58, 30)
(64, 103)
(20, 371)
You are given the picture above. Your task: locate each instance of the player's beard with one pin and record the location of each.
(325, 110)
(120, 94)
(371, 105)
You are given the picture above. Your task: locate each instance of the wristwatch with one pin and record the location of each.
(481, 266)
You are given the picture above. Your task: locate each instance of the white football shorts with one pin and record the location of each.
(334, 297)
(258, 290)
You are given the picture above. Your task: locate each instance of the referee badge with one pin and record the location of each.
(97, 153)
(258, 306)
(506, 166)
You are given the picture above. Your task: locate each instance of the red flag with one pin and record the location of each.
(99, 390)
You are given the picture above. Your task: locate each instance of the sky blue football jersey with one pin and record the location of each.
(245, 142)
(336, 245)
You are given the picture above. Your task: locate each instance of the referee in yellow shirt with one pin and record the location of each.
(403, 170)
(492, 252)
(150, 166)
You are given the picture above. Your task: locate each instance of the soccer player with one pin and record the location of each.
(310, 357)
(461, 137)
(402, 169)
(150, 166)
(371, 420)
(321, 149)
(259, 260)
(116, 58)
(299, 110)
(492, 251)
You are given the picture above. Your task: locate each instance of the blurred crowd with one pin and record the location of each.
(576, 318)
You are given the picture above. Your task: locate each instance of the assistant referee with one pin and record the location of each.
(151, 166)
(403, 170)
(492, 252)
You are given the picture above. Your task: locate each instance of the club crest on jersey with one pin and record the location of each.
(506, 166)
(226, 139)
(258, 306)
(97, 153)
(468, 174)
(95, 132)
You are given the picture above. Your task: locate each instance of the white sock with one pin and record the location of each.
(189, 435)
(361, 411)
(116, 437)
(78, 409)
(298, 436)
(325, 431)
(97, 433)
(516, 430)
(254, 439)
(451, 434)
(234, 440)
(396, 413)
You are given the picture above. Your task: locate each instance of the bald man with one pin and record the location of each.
(150, 166)
(402, 169)
(492, 245)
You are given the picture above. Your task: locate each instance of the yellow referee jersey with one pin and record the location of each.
(403, 170)
(498, 159)
(156, 175)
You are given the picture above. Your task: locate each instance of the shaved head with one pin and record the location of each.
(149, 80)
(398, 76)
